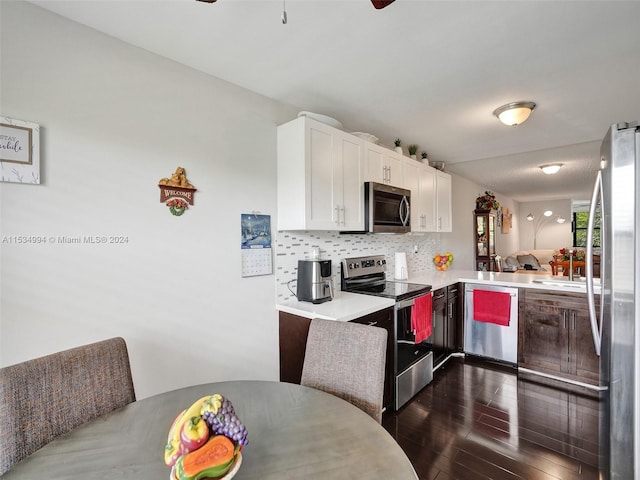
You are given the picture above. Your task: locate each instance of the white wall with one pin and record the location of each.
(461, 241)
(114, 120)
(550, 234)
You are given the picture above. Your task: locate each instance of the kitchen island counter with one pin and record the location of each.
(523, 280)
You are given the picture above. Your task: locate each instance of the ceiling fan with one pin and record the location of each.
(376, 3)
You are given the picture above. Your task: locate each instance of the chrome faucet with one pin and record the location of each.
(571, 265)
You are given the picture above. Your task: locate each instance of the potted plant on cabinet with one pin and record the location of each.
(412, 151)
(398, 143)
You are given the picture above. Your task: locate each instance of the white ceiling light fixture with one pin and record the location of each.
(514, 113)
(551, 168)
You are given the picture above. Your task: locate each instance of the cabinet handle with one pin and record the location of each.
(372, 324)
(450, 314)
(439, 223)
(337, 210)
(564, 318)
(439, 296)
(573, 320)
(343, 215)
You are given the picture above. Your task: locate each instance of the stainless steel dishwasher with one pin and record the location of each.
(488, 339)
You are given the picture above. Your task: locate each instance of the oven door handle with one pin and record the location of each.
(410, 302)
(405, 303)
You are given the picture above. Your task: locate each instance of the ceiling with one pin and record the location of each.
(428, 72)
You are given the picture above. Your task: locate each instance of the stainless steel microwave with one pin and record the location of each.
(387, 208)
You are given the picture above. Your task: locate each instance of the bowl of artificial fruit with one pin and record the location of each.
(443, 261)
(205, 441)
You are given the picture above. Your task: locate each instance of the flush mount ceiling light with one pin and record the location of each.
(515, 113)
(551, 168)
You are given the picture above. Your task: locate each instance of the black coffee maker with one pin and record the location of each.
(314, 281)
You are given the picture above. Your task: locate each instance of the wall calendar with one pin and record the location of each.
(256, 248)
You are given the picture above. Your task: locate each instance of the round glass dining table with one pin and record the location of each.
(294, 432)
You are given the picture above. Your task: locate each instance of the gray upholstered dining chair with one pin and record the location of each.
(347, 360)
(43, 398)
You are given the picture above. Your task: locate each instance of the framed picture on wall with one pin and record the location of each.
(506, 220)
(19, 151)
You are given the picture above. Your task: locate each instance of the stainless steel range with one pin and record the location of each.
(413, 362)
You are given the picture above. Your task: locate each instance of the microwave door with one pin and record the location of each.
(387, 210)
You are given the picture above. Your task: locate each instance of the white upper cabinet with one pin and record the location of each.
(320, 177)
(421, 180)
(430, 197)
(383, 165)
(443, 202)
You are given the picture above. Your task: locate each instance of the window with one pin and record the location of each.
(579, 227)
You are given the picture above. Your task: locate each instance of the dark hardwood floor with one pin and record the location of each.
(480, 421)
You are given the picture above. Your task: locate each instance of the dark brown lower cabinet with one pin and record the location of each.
(455, 339)
(447, 322)
(293, 332)
(384, 319)
(554, 335)
(439, 319)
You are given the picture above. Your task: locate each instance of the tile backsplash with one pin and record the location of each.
(292, 246)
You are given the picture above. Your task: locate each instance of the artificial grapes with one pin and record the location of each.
(226, 422)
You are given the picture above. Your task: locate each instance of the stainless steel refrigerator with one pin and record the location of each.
(616, 324)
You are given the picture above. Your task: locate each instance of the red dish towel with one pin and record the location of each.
(421, 318)
(491, 307)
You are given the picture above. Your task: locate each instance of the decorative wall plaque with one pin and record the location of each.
(19, 151)
(177, 192)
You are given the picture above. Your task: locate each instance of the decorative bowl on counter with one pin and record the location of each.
(442, 261)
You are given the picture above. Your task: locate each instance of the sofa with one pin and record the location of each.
(536, 259)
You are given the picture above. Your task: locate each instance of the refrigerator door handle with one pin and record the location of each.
(596, 330)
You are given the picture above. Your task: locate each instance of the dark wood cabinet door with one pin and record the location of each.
(555, 335)
(293, 332)
(384, 319)
(453, 313)
(587, 363)
(439, 319)
(543, 336)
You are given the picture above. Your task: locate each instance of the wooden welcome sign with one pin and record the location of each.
(177, 192)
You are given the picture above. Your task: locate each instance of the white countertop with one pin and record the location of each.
(345, 306)
(525, 280)
(349, 306)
